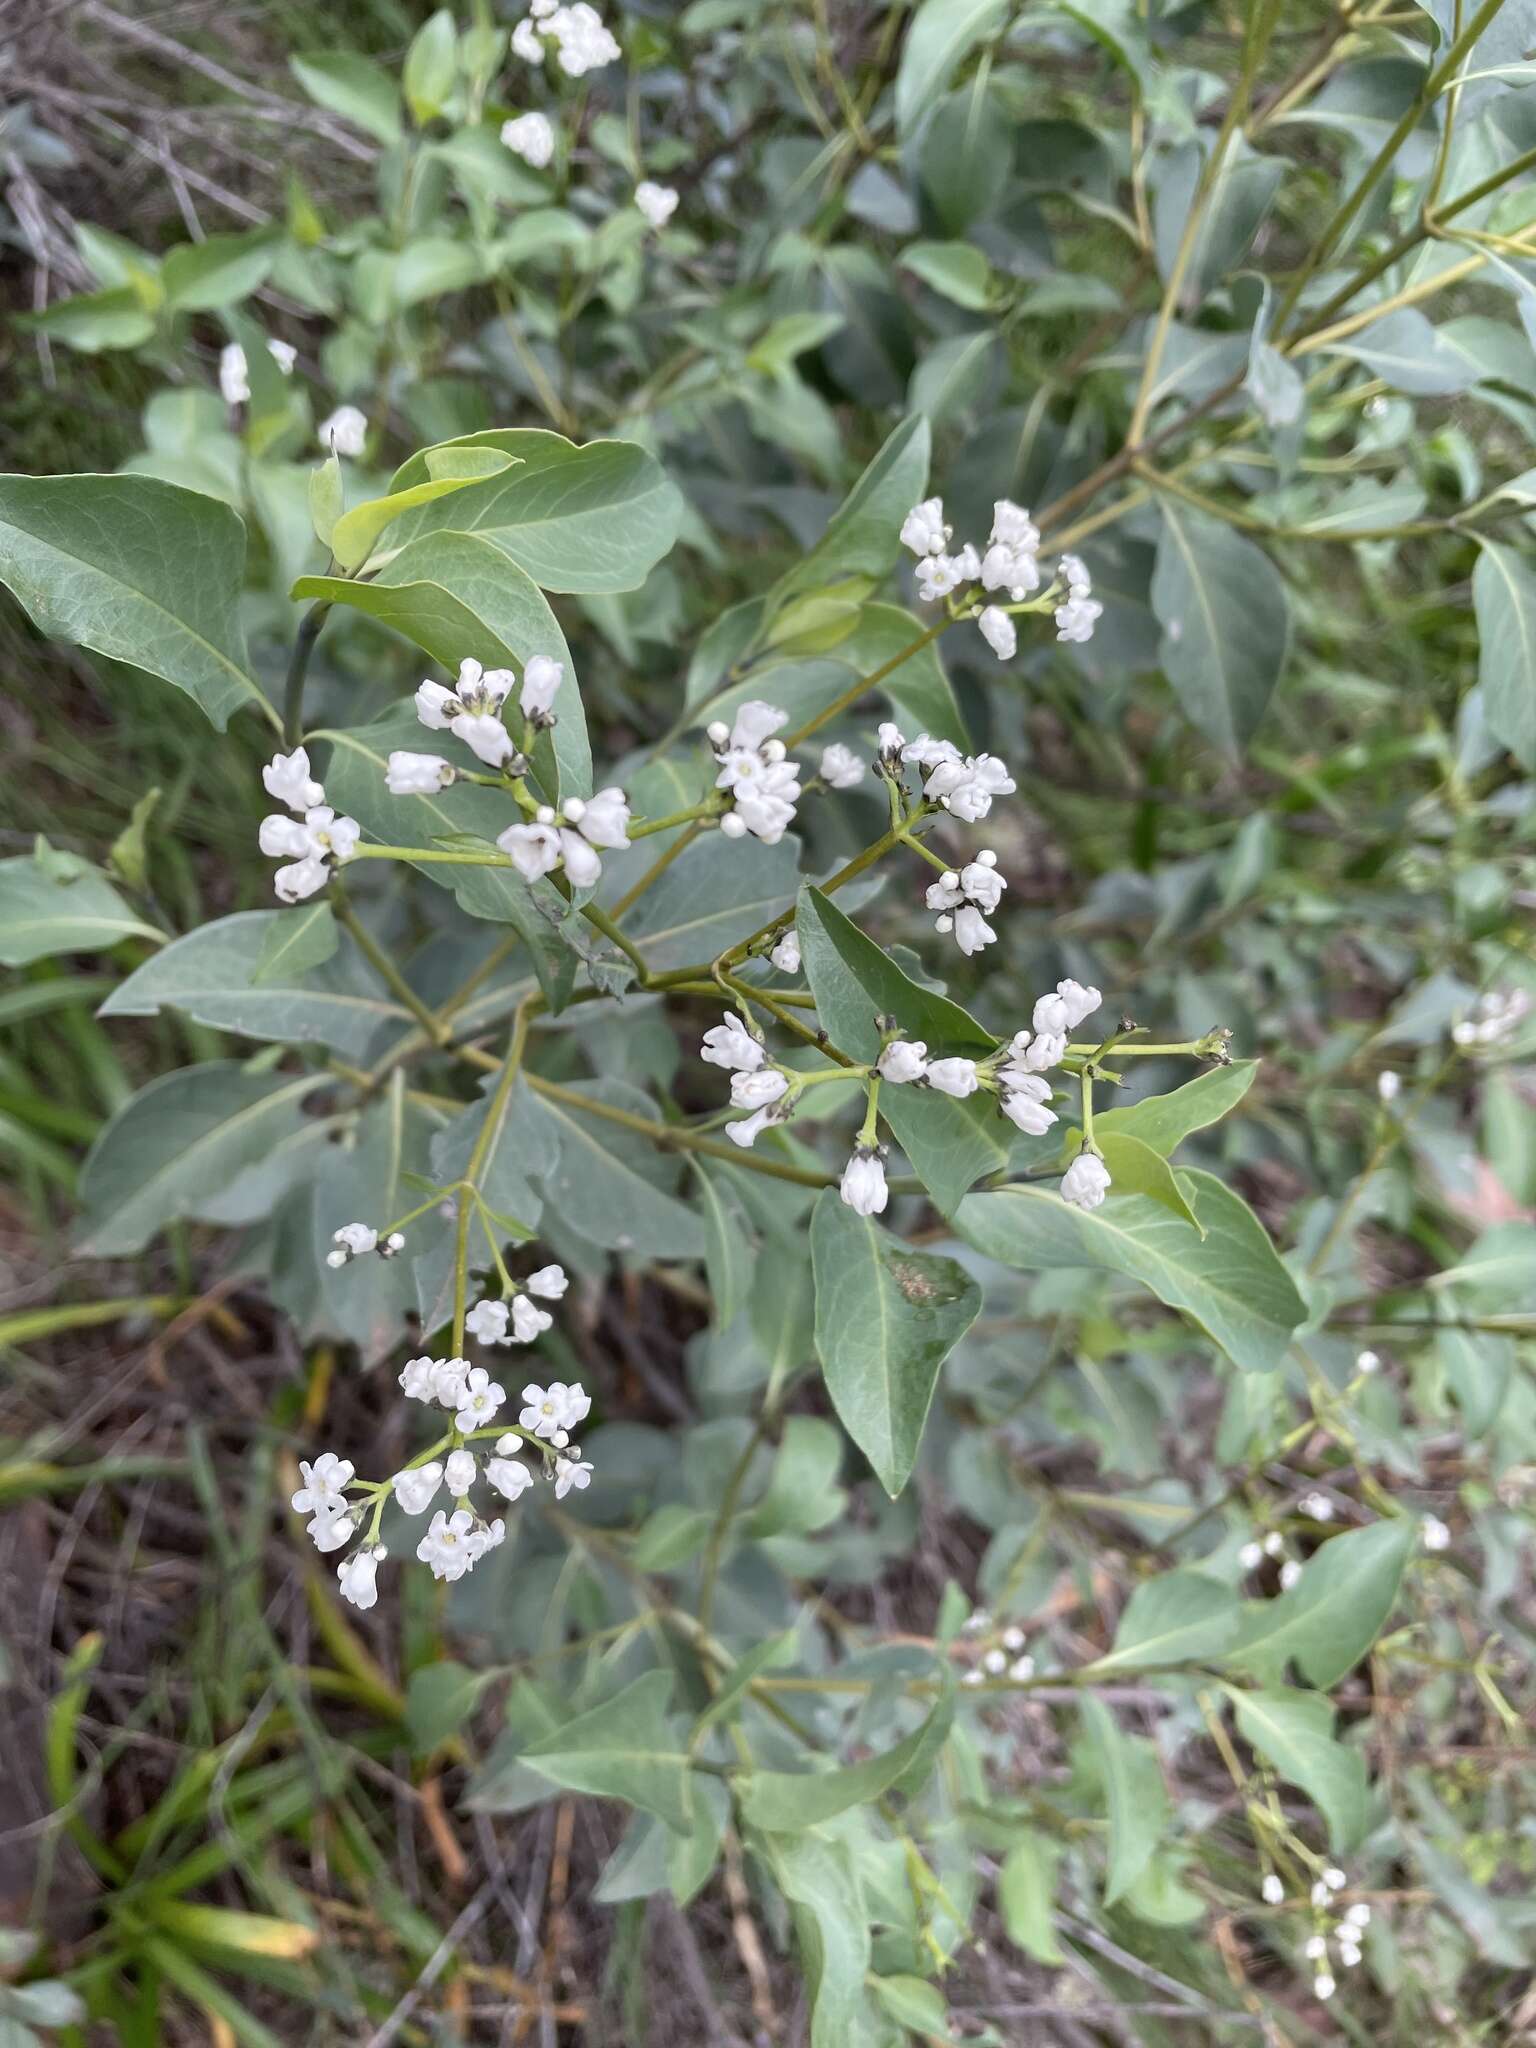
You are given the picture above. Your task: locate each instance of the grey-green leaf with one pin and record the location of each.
(624, 1749)
(60, 906)
(1225, 621)
(1180, 1618)
(1504, 598)
(1294, 1732)
(784, 1802)
(1136, 1795)
(1335, 1610)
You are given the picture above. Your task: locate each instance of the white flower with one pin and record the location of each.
(756, 721)
(746, 1130)
(417, 774)
(786, 954)
(532, 137)
(448, 1377)
(487, 1321)
(1013, 1639)
(549, 1411)
(967, 564)
(527, 43)
(358, 1575)
(482, 1398)
(528, 1322)
(416, 1379)
(657, 202)
(446, 1546)
(331, 1527)
(730, 1044)
(863, 1186)
(1349, 1954)
(995, 1662)
(1316, 1505)
(416, 1485)
(549, 1283)
(1273, 1890)
(1073, 571)
(1315, 1944)
(841, 767)
(1320, 1896)
(508, 1475)
(1389, 1085)
(569, 1473)
(1358, 1916)
(1051, 1014)
(1012, 526)
(1274, 1544)
(1079, 1002)
(322, 837)
(971, 1677)
(1335, 1879)
(345, 431)
(980, 881)
(1251, 1556)
(471, 711)
(459, 1472)
(923, 530)
(1074, 619)
(956, 1077)
(1290, 1572)
(764, 786)
(534, 850)
(1086, 1181)
(1031, 1117)
(287, 777)
(324, 1483)
(1368, 1362)
(1324, 1985)
(486, 737)
(1012, 569)
(1046, 1049)
(999, 632)
(603, 819)
(756, 1090)
(937, 576)
(903, 1060)
(542, 678)
(351, 1241)
(234, 374)
(582, 43)
(891, 742)
(393, 1245)
(284, 354)
(1022, 1668)
(972, 932)
(1435, 1534)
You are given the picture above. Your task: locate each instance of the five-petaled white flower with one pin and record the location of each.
(482, 1398)
(532, 137)
(571, 1473)
(344, 432)
(447, 1547)
(1086, 1181)
(487, 1321)
(308, 847)
(764, 786)
(553, 1412)
(730, 1044)
(841, 767)
(658, 203)
(863, 1185)
(325, 1481)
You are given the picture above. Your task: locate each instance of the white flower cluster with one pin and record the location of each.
(569, 838)
(965, 898)
(1254, 1552)
(1002, 1658)
(1346, 1933)
(309, 841)
(658, 203)
(472, 710)
(1495, 1018)
(965, 784)
(345, 432)
(530, 136)
(771, 1093)
(459, 1535)
(582, 42)
(1010, 562)
(764, 786)
(235, 371)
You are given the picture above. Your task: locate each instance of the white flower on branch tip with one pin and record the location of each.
(471, 711)
(1028, 1112)
(1368, 1362)
(971, 930)
(459, 1472)
(351, 1242)
(731, 1045)
(1086, 1181)
(331, 1528)
(1435, 1535)
(957, 1077)
(937, 576)
(448, 1378)
(554, 1411)
(582, 42)
(1012, 526)
(1274, 1544)
(863, 1186)
(764, 786)
(903, 1060)
(1272, 1890)
(408, 774)
(482, 1399)
(840, 767)
(542, 677)
(532, 137)
(924, 751)
(235, 374)
(1073, 571)
(1324, 1986)
(603, 819)
(309, 847)
(415, 1487)
(892, 743)
(1251, 1556)
(325, 1481)
(747, 1129)
(287, 777)
(487, 1322)
(785, 955)
(447, 1546)
(571, 1473)
(1031, 1052)
(534, 850)
(757, 1089)
(416, 1379)
(1316, 1945)
(549, 1283)
(923, 530)
(358, 1575)
(1290, 1572)
(344, 432)
(658, 203)
(528, 1321)
(508, 1475)
(999, 632)
(526, 42)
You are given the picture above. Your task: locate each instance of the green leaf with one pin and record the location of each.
(296, 940)
(592, 519)
(770, 1651)
(354, 88)
(670, 1536)
(951, 1144)
(624, 1749)
(886, 1319)
(1294, 1732)
(1225, 621)
(786, 1802)
(1138, 1170)
(956, 270)
(176, 1149)
(1504, 598)
(940, 36)
(1182, 1617)
(802, 1493)
(1335, 1610)
(326, 498)
(718, 892)
(1407, 351)
(1230, 1281)
(135, 569)
(221, 270)
(1137, 1798)
(1165, 1121)
(1026, 1896)
(727, 1245)
(456, 596)
(430, 66)
(611, 1185)
(355, 532)
(1479, 1369)
(439, 1699)
(915, 2004)
(96, 321)
(819, 1878)
(128, 856)
(863, 536)
(60, 905)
